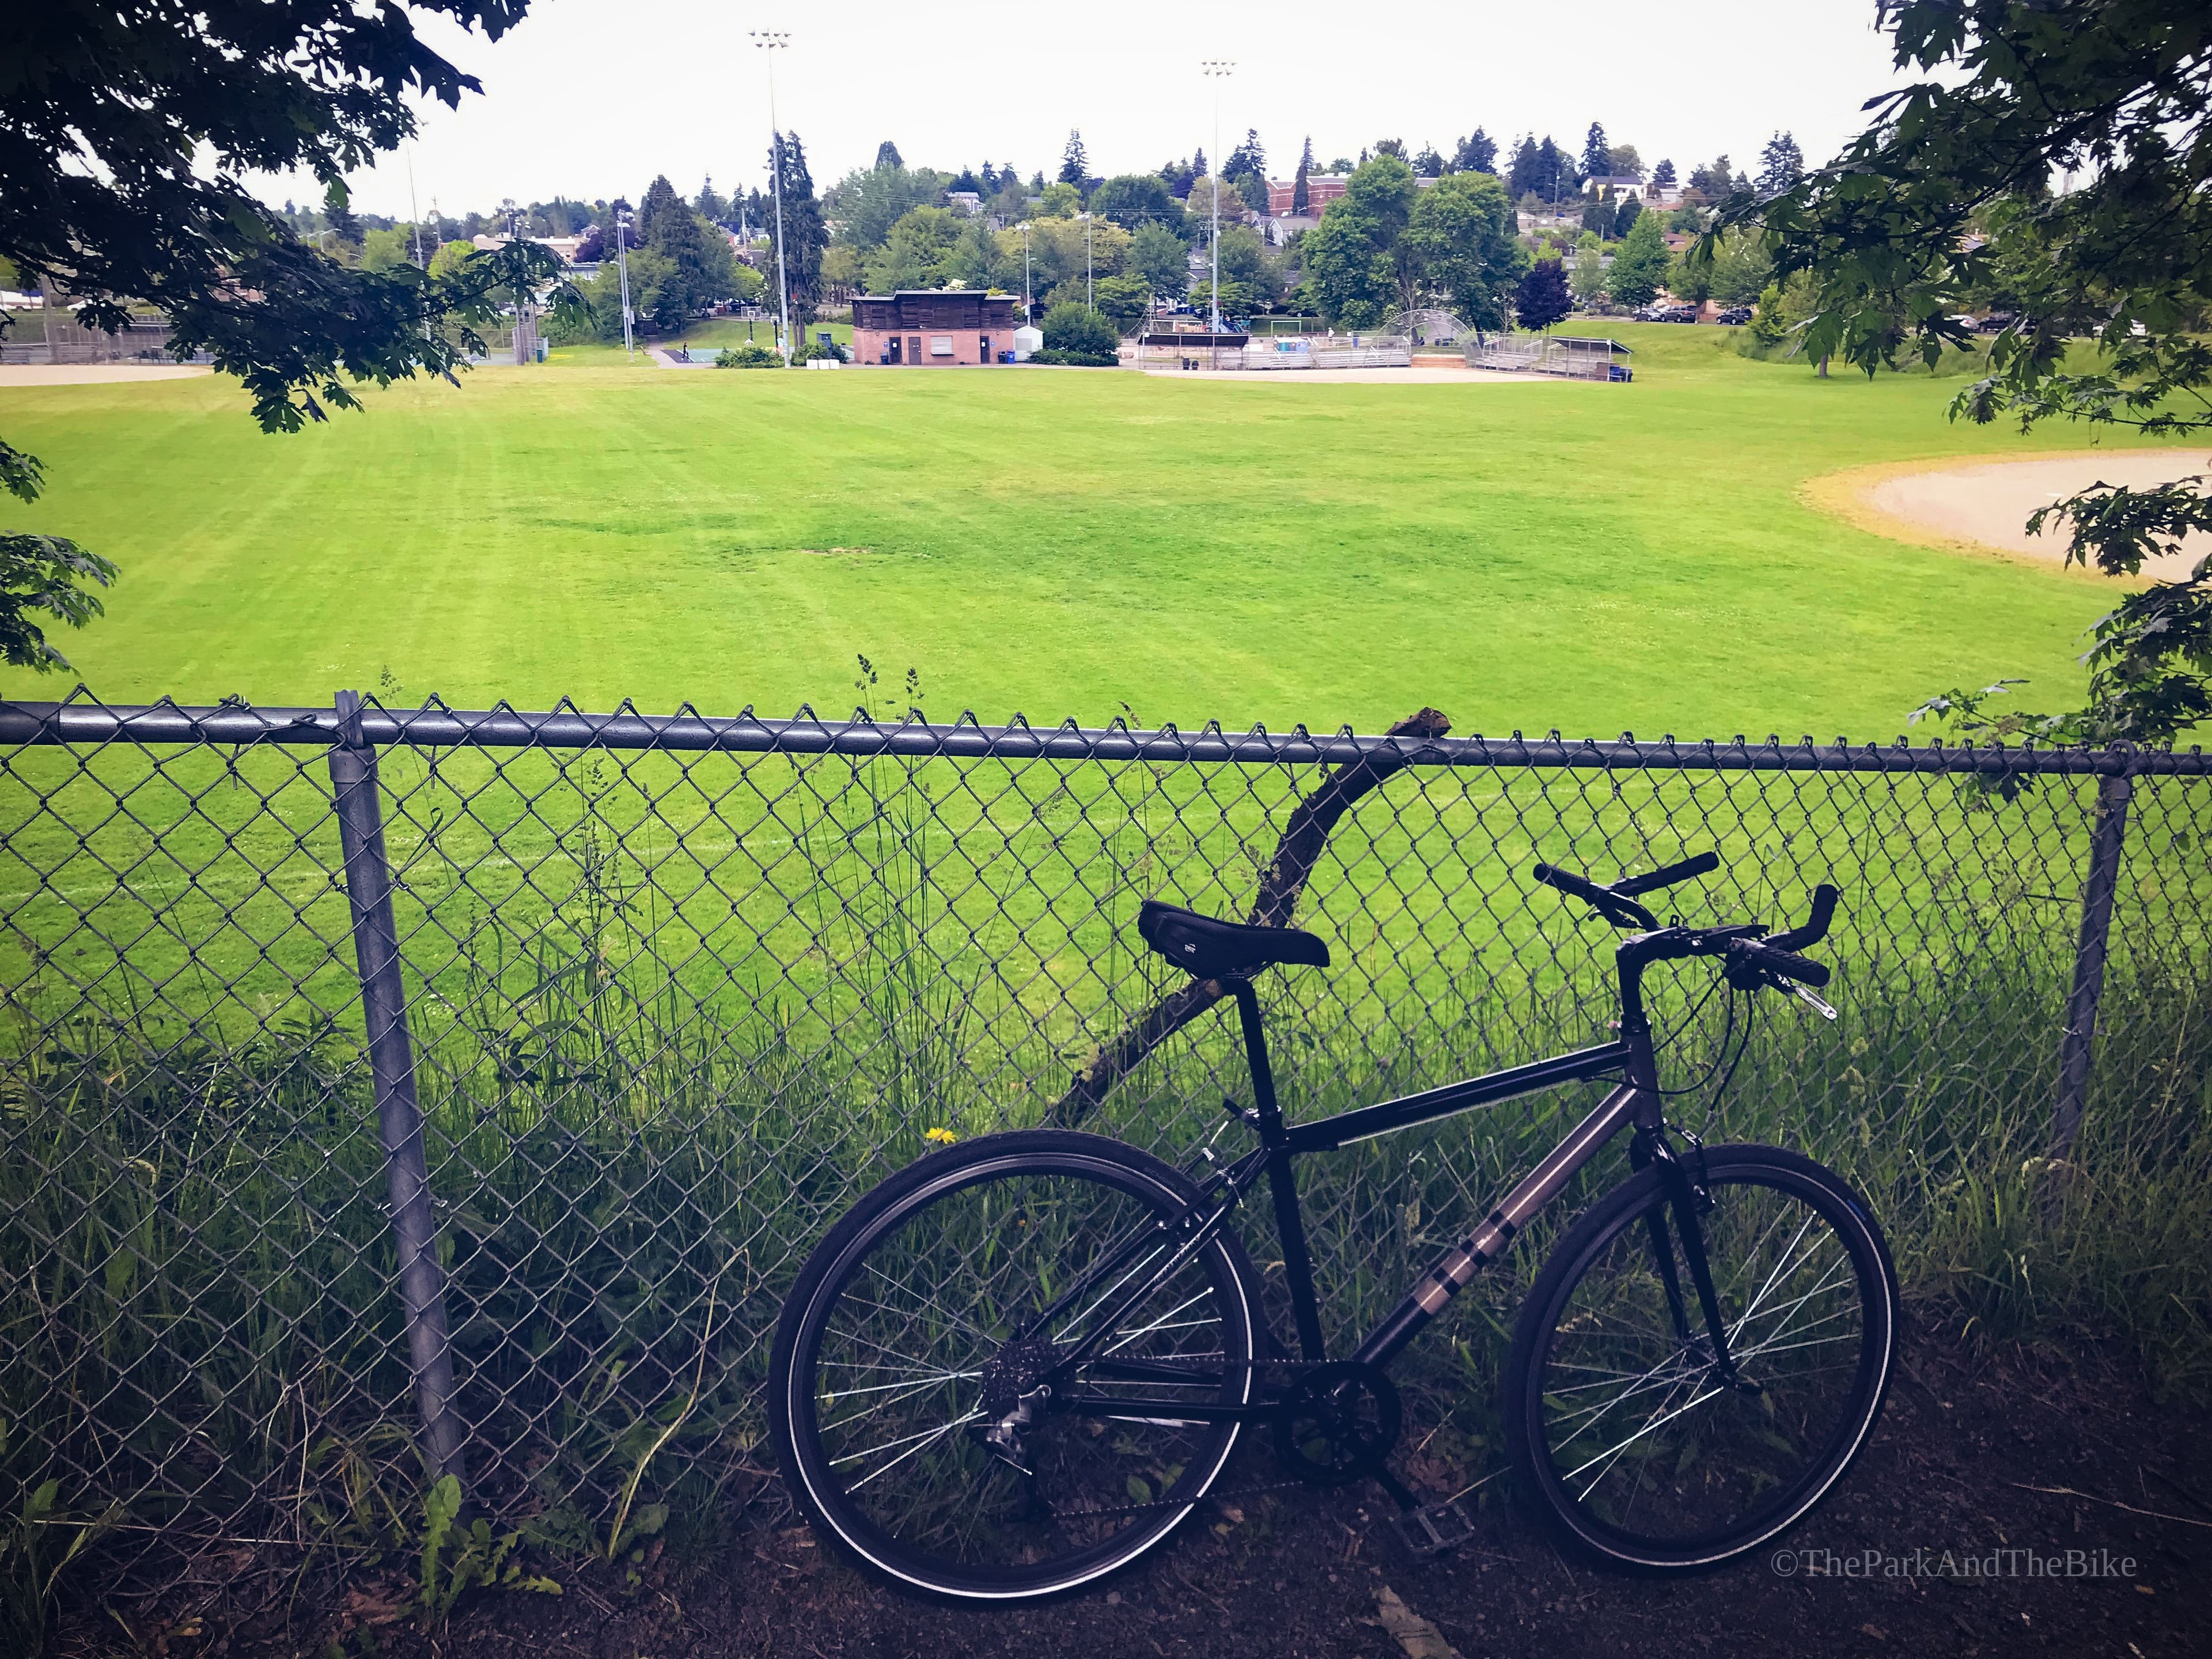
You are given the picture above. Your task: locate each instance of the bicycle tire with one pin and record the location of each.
(1625, 1436)
(953, 1252)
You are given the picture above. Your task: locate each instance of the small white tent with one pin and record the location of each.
(1028, 340)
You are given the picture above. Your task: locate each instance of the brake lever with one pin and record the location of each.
(1809, 999)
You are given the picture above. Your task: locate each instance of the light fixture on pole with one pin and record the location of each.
(772, 41)
(622, 264)
(1217, 69)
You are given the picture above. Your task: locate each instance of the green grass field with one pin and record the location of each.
(1055, 542)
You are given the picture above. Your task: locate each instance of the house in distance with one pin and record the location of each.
(933, 327)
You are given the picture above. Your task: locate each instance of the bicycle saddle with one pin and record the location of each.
(1206, 948)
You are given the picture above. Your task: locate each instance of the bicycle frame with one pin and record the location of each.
(1635, 1101)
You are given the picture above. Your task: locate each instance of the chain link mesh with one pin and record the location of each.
(679, 991)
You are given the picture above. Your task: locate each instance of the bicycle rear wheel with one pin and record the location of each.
(1622, 1428)
(894, 1348)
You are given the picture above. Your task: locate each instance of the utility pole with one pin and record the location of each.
(772, 41)
(622, 264)
(1217, 69)
(1088, 303)
(1025, 273)
(414, 212)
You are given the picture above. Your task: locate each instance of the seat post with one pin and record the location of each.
(1282, 1185)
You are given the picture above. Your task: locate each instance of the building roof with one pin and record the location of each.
(935, 294)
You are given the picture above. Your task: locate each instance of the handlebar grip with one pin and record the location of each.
(1816, 926)
(1703, 864)
(1784, 963)
(1621, 911)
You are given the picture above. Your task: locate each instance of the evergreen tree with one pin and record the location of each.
(988, 179)
(338, 216)
(1247, 160)
(1528, 165)
(1556, 173)
(1781, 165)
(1598, 217)
(1597, 160)
(1198, 164)
(803, 234)
(1477, 153)
(1074, 163)
(1299, 198)
(887, 155)
(1542, 298)
(1662, 176)
(708, 205)
(1624, 220)
(1428, 164)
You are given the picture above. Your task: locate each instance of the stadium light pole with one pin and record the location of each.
(622, 264)
(1217, 69)
(772, 41)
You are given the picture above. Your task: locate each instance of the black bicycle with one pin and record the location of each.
(1019, 1363)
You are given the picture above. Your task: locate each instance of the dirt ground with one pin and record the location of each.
(2030, 1503)
(14, 374)
(1984, 507)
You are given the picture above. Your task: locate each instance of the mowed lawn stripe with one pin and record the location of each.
(1056, 541)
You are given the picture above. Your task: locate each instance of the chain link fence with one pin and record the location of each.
(394, 1092)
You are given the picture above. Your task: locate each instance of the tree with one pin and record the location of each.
(1080, 331)
(699, 271)
(1624, 160)
(1527, 169)
(1640, 267)
(1074, 163)
(1135, 199)
(1247, 160)
(1175, 177)
(345, 229)
(1160, 256)
(974, 261)
(1541, 299)
(383, 250)
(1300, 199)
(1356, 269)
(868, 204)
(1948, 192)
(887, 155)
(1626, 216)
(1587, 280)
(1477, 153)
(803, 234)
(1781, 165)
(1713, 181)
(707, 205)
(1428, 164)
(1058, 200)
(1254, 190)
(1461, 232)
(1124, 299)
(1662, 176)
(917, 253)
(1597, 157)
(1198, 164)
(1598, 217)
(126, 136)
(45, 574)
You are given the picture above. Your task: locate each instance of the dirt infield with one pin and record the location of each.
(95, 374)
(1983, 506)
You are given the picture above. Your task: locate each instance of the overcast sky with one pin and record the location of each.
(592, 98)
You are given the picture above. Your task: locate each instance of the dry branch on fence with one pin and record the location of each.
(1285, 879)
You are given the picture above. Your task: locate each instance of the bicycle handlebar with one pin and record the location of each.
(1784, 964)
(1816, 927)
(1703, 864)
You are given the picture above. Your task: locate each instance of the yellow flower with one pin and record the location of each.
(943, 1137)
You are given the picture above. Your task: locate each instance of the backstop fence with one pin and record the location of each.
(384, 1090)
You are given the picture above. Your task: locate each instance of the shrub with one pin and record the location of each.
(811, 349)
(1078, 329)
(1076, 359)
(752, 354)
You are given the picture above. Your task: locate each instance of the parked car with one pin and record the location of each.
(1734, 316)
(1667, 313)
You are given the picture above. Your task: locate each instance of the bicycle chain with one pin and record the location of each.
(1208, 1496)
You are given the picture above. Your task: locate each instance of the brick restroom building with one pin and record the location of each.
(934, 326)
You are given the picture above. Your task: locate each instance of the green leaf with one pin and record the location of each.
(1139, 1491)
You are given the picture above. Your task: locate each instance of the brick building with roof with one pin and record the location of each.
(934, 327)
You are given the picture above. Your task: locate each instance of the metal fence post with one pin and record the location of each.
(392, 1062)
(2097, 890)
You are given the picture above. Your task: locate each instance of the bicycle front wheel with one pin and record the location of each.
(1630, 1438)
(1011, 1250)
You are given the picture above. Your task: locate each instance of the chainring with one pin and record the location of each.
(1338, 1423)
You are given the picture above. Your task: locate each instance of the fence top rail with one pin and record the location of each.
(81, 721)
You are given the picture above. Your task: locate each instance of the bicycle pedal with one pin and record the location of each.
(1435, 1529)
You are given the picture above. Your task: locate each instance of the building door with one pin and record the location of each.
(914, 348)
(893, 355)
(985, 356)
